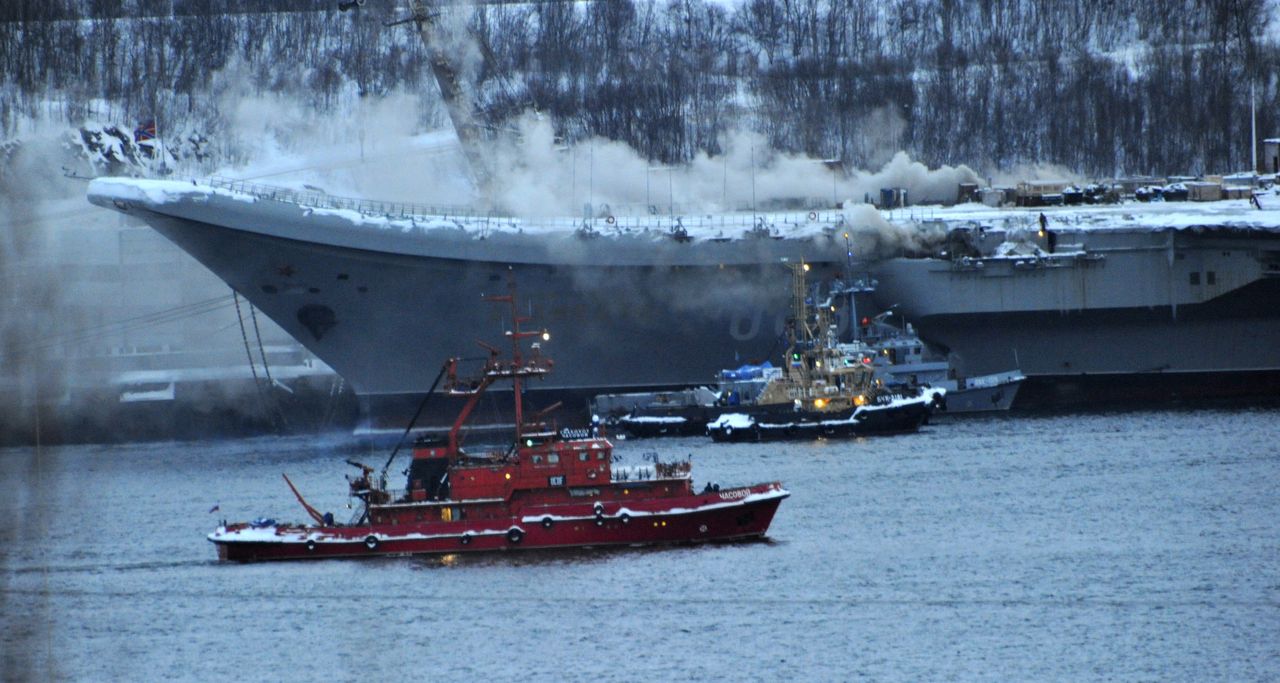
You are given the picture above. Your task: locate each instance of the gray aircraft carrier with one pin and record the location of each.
(1114, 303)
(1096, 315)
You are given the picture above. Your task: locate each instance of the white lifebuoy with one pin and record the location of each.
(609, 220)
(813, 215)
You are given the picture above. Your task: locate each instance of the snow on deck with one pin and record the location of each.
(365, 214)
(1239, 213)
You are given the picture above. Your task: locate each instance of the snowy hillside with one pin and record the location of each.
(1101, 88)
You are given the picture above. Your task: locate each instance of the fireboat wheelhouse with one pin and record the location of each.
(548, 489)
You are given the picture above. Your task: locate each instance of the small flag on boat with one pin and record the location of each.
(215, 508)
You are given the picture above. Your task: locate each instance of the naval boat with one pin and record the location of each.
(903, 359)
(548, 488)
(823, 389)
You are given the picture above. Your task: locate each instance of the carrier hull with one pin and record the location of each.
(638, 310)
(1149, 316)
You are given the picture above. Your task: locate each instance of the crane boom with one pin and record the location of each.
(457, 93)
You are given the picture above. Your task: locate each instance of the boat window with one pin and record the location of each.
(582, 457)
(553, 458)
(1211, 277)
(600, 456)
(1195, 278)
(537, 459)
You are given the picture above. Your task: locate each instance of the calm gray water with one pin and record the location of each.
(1126, 546)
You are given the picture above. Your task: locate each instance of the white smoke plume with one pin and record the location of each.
(538, 176)
(870, 235)
(30, 212)
(358, 146)
(1026, 172)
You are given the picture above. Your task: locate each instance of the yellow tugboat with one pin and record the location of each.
(826, 388)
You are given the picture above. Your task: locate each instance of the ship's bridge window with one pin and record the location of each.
(1211, 277)
(1195, 278)
(582, 457)
(553, 458)
(537, 459)
(600, 455)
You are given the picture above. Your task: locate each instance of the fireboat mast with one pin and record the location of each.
(535, 367)
(496, 369)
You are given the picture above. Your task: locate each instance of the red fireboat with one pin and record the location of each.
(549, 489)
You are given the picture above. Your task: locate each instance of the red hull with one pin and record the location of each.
(730, 514)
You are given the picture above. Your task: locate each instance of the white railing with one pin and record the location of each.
(324, 200)
(763, 225)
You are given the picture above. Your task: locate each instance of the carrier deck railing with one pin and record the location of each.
(765, 225)
(323, 200)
